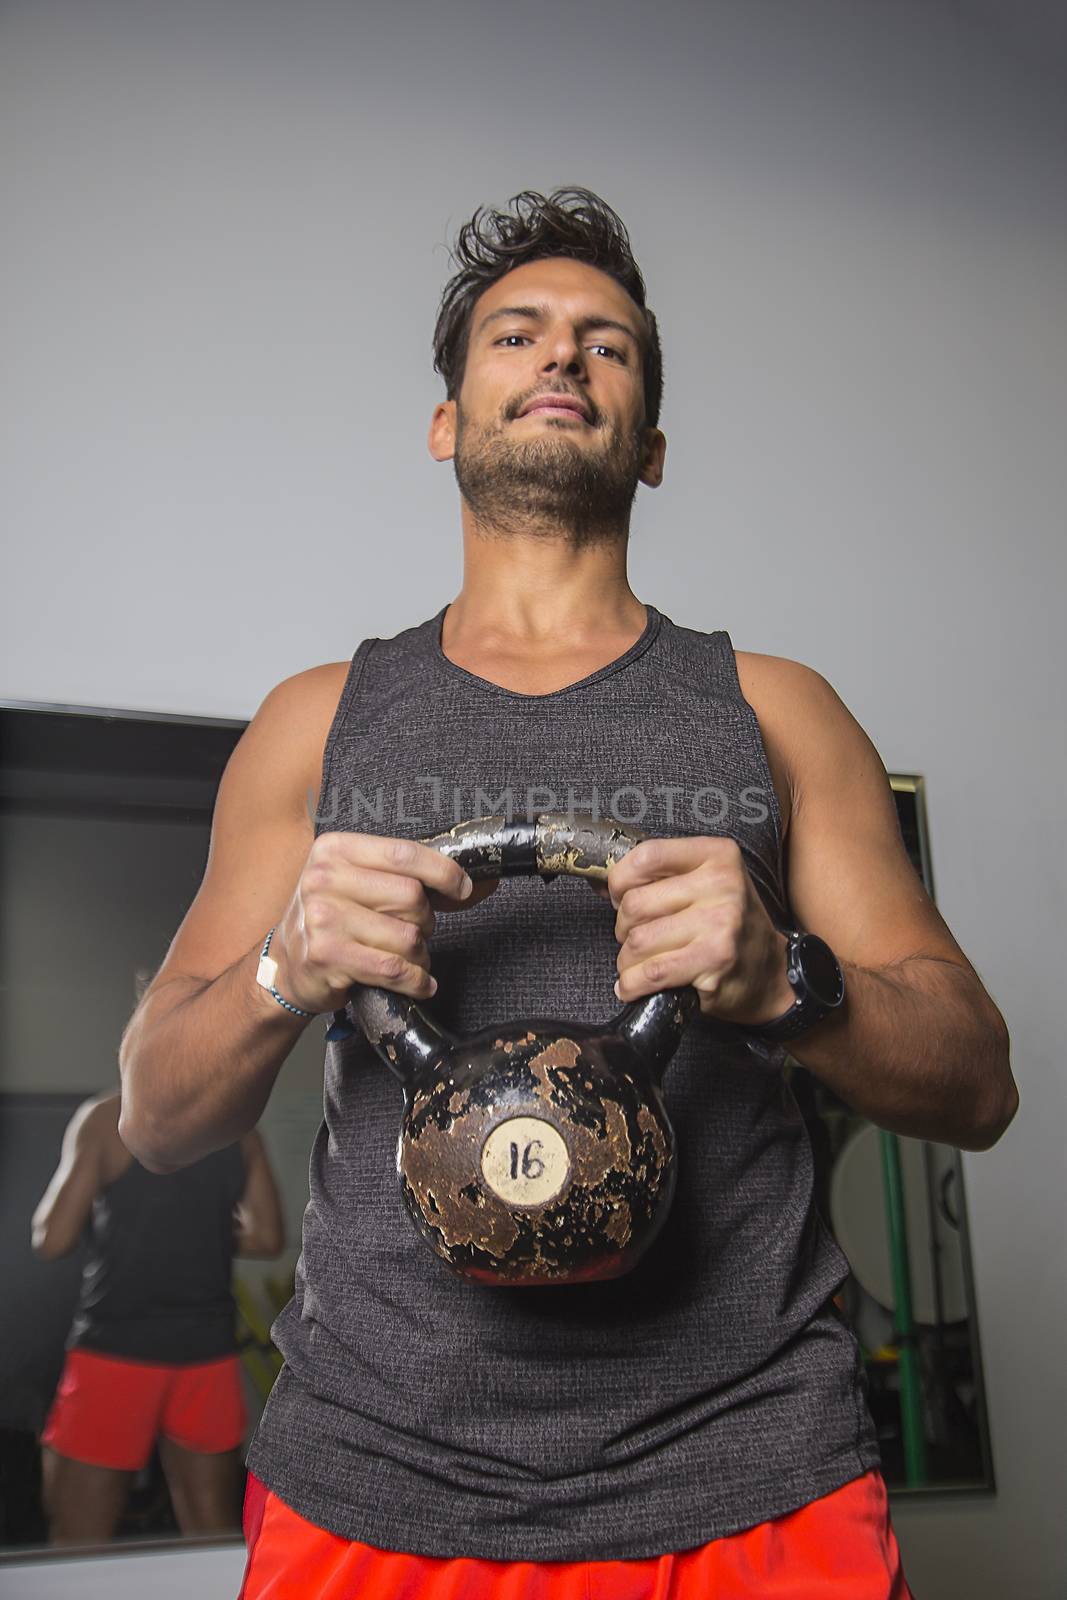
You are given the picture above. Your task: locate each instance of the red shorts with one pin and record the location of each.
(840, 1547)
(108, 1411)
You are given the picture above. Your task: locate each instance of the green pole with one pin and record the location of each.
(911, 1399)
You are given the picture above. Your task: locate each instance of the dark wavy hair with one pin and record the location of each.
(569, 222)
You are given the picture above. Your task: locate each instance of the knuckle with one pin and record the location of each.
(320, 948)
(649, 854)
(401, 851)
(318, 917)
(317, 876)
(410, 892)
(388, 964)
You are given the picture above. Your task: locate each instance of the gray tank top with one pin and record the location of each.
(712, 1388)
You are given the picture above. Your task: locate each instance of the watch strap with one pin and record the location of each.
(807, 1008)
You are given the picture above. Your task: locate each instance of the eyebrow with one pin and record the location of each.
(537, 314)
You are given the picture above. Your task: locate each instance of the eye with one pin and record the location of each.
(616, 355)
(508, 336)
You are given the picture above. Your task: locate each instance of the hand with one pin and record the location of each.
(689, 913)
(363, 912)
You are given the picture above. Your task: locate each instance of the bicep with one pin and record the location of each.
(64, 1208)
(849, 876)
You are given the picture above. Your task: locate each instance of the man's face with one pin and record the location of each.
(547, 433)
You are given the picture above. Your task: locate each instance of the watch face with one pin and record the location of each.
(821, 971)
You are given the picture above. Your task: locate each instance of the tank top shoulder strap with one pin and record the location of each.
(707, 661)
(354, 677)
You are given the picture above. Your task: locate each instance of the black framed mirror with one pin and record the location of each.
(104, 831)
(897, 1208)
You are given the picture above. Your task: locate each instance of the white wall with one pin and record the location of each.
(224, 246)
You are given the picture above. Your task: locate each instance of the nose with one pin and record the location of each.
(563, 353)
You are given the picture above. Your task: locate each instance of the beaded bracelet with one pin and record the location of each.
(266, 974)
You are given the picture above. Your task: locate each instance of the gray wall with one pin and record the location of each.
(106, 893)
(224, 248)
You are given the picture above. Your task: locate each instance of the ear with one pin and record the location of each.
(652, 459)
(442, 440)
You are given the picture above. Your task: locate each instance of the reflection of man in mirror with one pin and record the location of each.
(151, 1357)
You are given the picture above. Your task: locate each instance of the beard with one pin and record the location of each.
(549, 485)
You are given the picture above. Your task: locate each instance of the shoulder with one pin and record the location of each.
(311, 694)
(284, 742)
(806, 727)
(777, 675)
(792, 697)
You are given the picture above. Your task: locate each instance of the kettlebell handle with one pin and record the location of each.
(555, 844)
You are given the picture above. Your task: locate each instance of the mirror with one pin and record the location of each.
(104, 837)
(105, 830)
(896, 1207)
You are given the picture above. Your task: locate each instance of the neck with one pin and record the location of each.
(533, 591)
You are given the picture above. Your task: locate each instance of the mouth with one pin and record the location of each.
(546, 408)
(555, 406)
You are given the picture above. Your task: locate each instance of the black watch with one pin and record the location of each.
(817, 982)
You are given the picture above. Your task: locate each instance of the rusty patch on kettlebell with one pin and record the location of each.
(618, 1225)
(425, 1163)
(650, 1125)
(593, 1158)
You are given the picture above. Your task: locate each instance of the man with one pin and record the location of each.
(699, 1425)
(151, 1358)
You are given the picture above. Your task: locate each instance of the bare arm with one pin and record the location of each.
(921, 1048)
(918, 1047)
(66, 1204)
(204, 1047)
(259, 1230)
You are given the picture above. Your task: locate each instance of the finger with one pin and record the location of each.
(653, 901)
(367, 929)
(664, 934)
(405, 857)
(670, 970)
(402, 898)
(386, 969)
(663, 858)
(483, 888)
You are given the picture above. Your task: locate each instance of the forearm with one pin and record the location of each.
(198, 1062)
(919, 1049)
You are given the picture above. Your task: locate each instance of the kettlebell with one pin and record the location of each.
(539, 1151)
